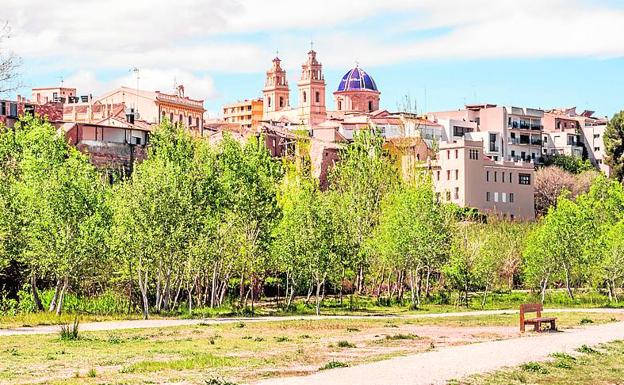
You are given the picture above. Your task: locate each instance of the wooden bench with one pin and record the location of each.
(537, 321)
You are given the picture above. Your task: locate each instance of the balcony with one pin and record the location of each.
(494, 148)
(536, 142)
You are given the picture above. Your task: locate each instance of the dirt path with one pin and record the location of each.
(162, 323)
(438, 367)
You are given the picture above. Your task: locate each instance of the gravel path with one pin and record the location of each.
(162, 323)
(438, 367)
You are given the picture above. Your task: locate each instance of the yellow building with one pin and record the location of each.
(247, 113)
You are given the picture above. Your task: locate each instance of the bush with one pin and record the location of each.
(345, 344)
(333, 364)
(69, 332)
(534, 367)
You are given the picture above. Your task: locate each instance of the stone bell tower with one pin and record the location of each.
(276, 92)
(312, 91)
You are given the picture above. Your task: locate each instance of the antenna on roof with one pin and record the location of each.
(62, 81)
(136, 71)
(311, 45)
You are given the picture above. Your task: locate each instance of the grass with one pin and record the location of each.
(193, 354)
(333, 365)
(69, 332)
(587, 368)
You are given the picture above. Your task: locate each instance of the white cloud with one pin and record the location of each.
(201, 87)
(240, 35)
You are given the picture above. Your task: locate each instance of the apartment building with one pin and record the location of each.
(464, 175)
(508, 133)
(45, 95)
(247, 113)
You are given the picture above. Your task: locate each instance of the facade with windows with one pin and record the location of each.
(247, 113)
(463, 175)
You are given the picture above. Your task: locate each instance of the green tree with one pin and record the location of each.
(614, 145)
(62, 203)
(570, 163)
(361, 179)
(412, 234)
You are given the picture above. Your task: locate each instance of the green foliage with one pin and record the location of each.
(614, 145)
(70, 332)
(569, 163)
(345, 344)
(333, 365)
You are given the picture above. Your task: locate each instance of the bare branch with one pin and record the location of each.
(9, 63)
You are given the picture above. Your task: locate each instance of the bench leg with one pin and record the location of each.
(538, 327)
(553, 326)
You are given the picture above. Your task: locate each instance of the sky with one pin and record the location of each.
(430, 54)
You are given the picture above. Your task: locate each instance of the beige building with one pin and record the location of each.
(463, 175)
(54, 95)
(247, 113)
(149, 107)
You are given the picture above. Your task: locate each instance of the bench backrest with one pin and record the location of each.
(531, 308)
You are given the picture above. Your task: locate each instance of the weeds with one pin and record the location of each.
(69, 332)
(402, 337)
(218, 381)
(345, 344)
(333, 365)
(534, 367)
(587, 350)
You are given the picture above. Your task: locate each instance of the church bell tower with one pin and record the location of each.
(312, 91)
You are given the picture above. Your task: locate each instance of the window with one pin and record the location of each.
(448, 195)
(305, 97)
(511, 197)
(456, 194)
(181, 118)
(438, 197)
(448, 174)
(504, 197)
(495, 176)
(487, 176)
(510, 176)
(318, 97)
(438, 175)
(474, 154)
(524, 179)
(370, 105)
(448, 154)
(596, 148)
(456, 154)
(487, 196)
(190, 120)
(269, 101)
(596, 136)
(281, 101)
(496, 197)
(340, 105)
(197, 122)
(456, 174)
(171, 117)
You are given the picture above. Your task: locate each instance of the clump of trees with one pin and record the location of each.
(614, 145)
(197, 226)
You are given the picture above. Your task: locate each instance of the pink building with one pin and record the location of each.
(463, 175)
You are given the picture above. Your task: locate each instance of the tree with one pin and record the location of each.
(361, 180)
(62, 203)
(303, 237)
(9, 63)
(412, 234)
(612, 259)
(570, 163)
(556, 245)
(552, 181)
(614, 145)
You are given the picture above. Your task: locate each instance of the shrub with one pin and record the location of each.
(345, 344)
(282, 339)
(333, 364)
(91, 373)
(402, 337)
(587, 350)
(69, 332)
(585, 321)
(218, 381)
(534, 367)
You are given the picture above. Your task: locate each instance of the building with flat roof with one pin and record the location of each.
(464, 175)
(247, 113)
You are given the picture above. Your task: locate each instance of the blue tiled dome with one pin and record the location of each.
(357, 80)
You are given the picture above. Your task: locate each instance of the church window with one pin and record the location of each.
(370, 105)
(269, 101)
(190, 121)
(340, 105)
(305, 97)
(281, 101)
(318, 97)
(171, 117)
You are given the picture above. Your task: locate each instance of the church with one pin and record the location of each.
(356, 94)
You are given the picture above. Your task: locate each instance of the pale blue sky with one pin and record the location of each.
(538, 53)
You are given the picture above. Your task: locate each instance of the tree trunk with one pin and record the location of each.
(55, 297)
(544, 286)
(35, 293)
(567, 279)
(485, 293)
(427, 287)
(213, 286)
(59, 305)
